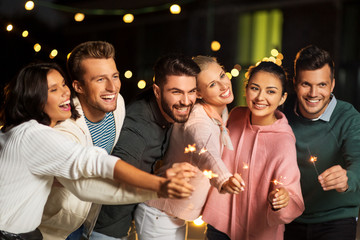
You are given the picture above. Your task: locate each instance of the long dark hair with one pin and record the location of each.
(26, 96)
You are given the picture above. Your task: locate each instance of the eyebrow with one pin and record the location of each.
(103, 75)
(177, 89)
(266, 87)
(55, 84)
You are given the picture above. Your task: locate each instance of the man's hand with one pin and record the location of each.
(334, 178)
(233, 185)
(279, 198)
(176, 184)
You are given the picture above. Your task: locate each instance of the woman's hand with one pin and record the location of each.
(233, 185)
(176, 184)
(279, 198)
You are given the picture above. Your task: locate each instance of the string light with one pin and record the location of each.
(9, 27)
(53, 53)
(25, 33)
(79, 17)
(229, 75)
(37, 47)
(215, 46)
(128, 18)
(141, 84)
(29, 5)
(128, 74)
(175, 9)
(235, 72)
(274, 52)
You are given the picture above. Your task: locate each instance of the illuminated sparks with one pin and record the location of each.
(190, 148)
(209, 174)
(313, 159)
(279, 181)
(245, 166)
(203, 150)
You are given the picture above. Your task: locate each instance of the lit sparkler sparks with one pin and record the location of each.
(313, 159)
(245, 166)
(190, 148)
(209, 174)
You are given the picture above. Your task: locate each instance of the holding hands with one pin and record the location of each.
(233, 185)
(176, 184)
(279, 198)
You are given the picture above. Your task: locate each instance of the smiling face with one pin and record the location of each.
(176, 98)
(313, 89)
(99, 88)
(214, 87)
(263, 97)
(57, 106)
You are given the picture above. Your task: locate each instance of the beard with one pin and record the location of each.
(177, 118)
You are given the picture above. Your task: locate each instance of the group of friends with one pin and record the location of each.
(76, 164)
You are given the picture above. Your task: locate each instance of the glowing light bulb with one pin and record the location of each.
(215, 46)
(29, 5)
(37, 47)
(53, 53)
(274, 52)
(128, 18)
(128, 74)
(25, 34)
(175, 9)
(235, 72)
(79, 17)
(9, 27)
(229, 75)
(141, 84)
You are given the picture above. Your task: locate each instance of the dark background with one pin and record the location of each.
(331, 24)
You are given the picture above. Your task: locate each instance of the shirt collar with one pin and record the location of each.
(327, 113)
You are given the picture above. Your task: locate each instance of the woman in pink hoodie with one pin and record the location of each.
(265, 156)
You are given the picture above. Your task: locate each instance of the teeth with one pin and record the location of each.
(65, 103)
(225, 94)
(258, 105)
(313, 101)
(108, 96)
(182, 109)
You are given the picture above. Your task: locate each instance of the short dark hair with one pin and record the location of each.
(85, 50)
(26, 96)
(313, 58)
(174, 65)
(272, 68)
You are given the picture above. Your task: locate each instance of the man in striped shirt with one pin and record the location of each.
(96, 83)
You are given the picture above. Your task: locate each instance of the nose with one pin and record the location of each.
(110, 86)
(313, 92)
(66, 91)
(260, 95)
(185, 100)
(222, 85)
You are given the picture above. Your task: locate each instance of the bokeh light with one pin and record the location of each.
(25, 34)
(175, 9)
(29, 5)
(128, 18)
(9, 27)
(128, 74)
(274, 52)
(37, 47)
(53, 53)
(198, 221)
(235, 72)
(79, 17)
(141, 84)
(229, 75)
(215, 46)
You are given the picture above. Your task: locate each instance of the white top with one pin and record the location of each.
(31, 154)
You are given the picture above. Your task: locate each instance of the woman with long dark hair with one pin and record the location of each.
(32, 152)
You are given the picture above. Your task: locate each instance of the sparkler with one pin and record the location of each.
(278, 182)
(245, 166)
(313, 159)
(209, 174)
(190, 149)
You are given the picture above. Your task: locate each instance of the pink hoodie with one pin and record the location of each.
(270, 153)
